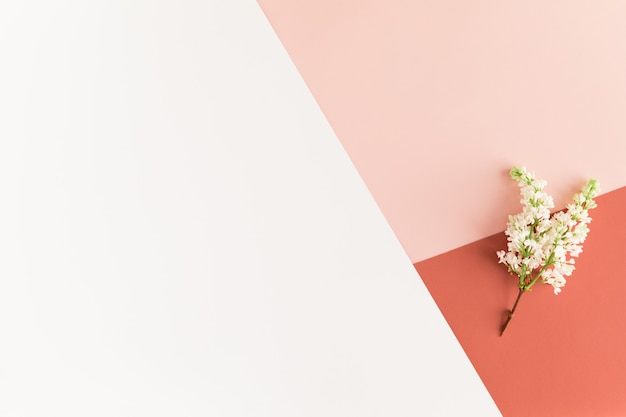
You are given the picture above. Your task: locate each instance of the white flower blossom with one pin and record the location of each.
(540, 246)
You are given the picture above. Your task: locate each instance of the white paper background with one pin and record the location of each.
(182, 234)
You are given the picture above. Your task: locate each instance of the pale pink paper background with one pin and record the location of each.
(435, 100)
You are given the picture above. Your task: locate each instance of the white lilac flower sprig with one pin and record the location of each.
(541, 246)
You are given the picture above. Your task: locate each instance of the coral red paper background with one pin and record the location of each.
(561, 355)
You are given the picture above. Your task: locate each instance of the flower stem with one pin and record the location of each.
(512, 311)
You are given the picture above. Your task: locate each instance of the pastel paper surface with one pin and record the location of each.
(183, 235)
(435, 100)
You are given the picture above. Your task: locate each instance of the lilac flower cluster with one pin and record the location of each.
(542, 246)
